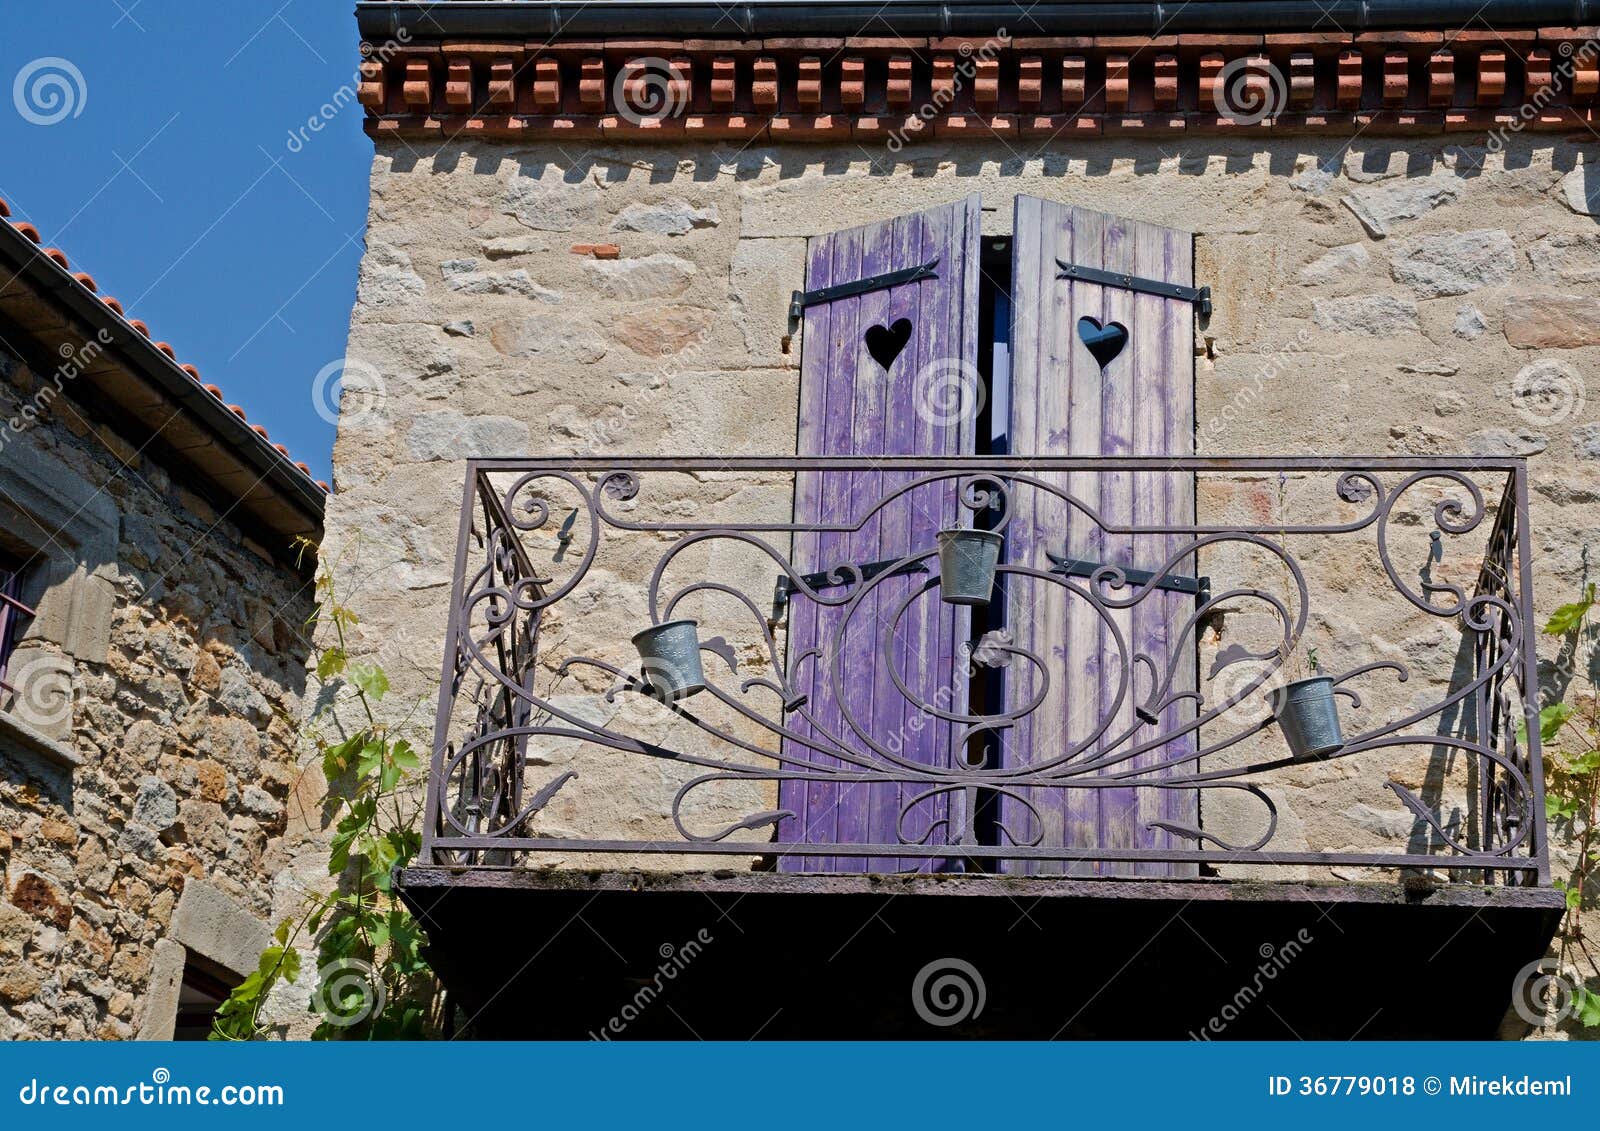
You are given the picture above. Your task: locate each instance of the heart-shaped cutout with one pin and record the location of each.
(1104, 342)
(885, 343)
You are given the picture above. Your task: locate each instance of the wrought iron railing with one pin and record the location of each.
(815, 586)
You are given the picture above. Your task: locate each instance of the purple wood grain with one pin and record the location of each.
(849, 405)
(1063, 404)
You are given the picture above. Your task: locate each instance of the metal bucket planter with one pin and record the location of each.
(967, 563)
(670, 654)
(1308, 715)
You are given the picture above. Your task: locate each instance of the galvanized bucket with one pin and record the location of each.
(1308, 715)
(967, 563)
(670, 655)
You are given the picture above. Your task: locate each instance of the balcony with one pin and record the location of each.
(850, 715)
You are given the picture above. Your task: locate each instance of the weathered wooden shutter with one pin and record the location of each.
(1062, 402)
(850, 404)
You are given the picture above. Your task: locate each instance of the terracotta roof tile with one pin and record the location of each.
(86, 281)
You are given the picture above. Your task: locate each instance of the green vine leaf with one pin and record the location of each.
(375, 832)
(331, 663)
(370, 678)
(336, 759)
(1586, 1007)
(1569, 617)
(1552, 718)
(1585, 763)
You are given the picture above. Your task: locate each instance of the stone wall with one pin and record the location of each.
(150, 744)
(1430, 295)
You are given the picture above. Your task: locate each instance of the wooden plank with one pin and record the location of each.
(1063, 402)
(850, 405)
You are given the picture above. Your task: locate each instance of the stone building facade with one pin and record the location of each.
(1398, 248)
(153, 671)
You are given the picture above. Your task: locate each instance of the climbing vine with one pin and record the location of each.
(1570, 732)
(373, 981)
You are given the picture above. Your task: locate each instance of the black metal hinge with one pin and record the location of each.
(869, 570)
(1074, 567)
(803, 299)
(1199, 296)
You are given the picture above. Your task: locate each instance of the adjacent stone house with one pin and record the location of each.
(730, 241)
(152, 664)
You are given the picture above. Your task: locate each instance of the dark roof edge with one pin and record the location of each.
(755, 19)
(27, 261)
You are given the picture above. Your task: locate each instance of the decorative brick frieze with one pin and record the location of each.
(547, 83)
(724, 78)
(874, 87)
(1074, 69)
(1348, 96)
(1165, 83)
(418, 87)
(1396, 77)
(1117, 83)
(502, 91)
(592, 85)
(1302, 80)
(852, 82)
(1210, 79)
(1491, 77)
(764, 84)
(808, 90)
(458, 83)
(897, 92)
(1441, 78)
(1030, 80)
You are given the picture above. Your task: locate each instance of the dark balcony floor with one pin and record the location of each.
(735, 955)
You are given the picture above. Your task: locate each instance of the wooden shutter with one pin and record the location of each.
(1063, 403)
(851, 405)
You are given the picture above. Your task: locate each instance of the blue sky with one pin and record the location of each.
(174, 182)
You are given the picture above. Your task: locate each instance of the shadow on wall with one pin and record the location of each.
(1195, 157)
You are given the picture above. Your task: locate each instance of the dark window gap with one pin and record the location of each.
(985, 687)
(12, 611)
(205, 987)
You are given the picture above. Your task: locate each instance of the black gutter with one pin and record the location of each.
(585, 19)
(25, 259)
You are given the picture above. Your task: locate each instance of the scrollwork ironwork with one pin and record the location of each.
(500, 670)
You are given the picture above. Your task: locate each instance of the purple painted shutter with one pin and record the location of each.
(1062, 403)
(850, 405)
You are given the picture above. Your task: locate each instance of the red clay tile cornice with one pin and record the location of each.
(796, 89)
(87, 282)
